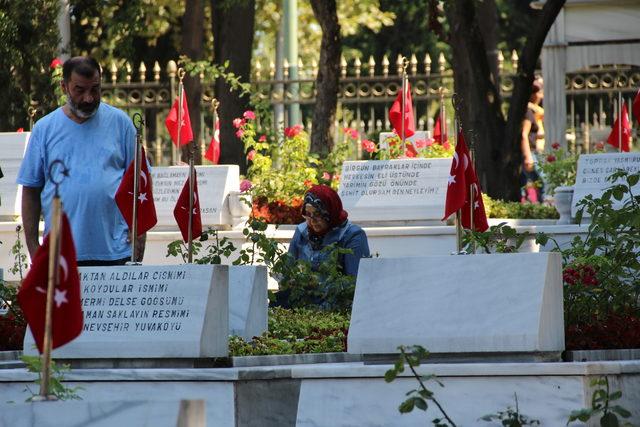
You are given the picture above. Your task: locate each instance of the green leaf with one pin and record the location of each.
(615, 395)
(420, 403)
(406, 406)
(609, 420)
(621, 411)
(390, 375)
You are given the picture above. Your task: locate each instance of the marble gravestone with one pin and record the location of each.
(409, 190)
(150, 312)
(592, 173)
(12, 147)
(492, 304)
(214, 184)
(248, 300)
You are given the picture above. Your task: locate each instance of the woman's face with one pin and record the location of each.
(315, 221)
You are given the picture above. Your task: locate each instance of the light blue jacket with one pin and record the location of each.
(348, 236)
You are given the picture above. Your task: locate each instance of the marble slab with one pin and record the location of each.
(492, 303)
(592, 173)
(94, 414)
(214, 184)
(248, 301)
(150, 312)
(12, 147)
(395, 190)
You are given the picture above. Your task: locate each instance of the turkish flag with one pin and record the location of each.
(181, 211)
(438, 135)
(636, 106)
(395, 114)
(461, 177)
(66, 318)
(146, 207)
(171, 122)
(614, 136)
(213, 152)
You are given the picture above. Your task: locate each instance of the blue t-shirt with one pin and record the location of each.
(96, 153)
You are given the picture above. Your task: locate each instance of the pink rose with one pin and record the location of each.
(238, 123)
(326, 176)
(429, 142)
(239, 133)
(446, 145)
(368, 146)
(555, 145)
(292, 131)
(420, 143)
(55, 63)
(249, 115)
(245, 185)
(251, 155)
(551, 158)
(263, 138)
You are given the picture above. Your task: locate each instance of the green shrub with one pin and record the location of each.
(296, 331)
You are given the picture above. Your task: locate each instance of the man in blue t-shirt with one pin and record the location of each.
(96, 142)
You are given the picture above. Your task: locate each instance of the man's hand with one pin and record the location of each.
(140, 246)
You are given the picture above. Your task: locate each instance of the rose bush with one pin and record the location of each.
(392, 148)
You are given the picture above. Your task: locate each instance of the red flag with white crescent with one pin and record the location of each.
(213, 152)
(146, 207)
(67, 318)
(181, 212)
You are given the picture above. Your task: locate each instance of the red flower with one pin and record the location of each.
(238, 122)
(55, 63)
(446, 145)
(239, 133)
(249, 115)
(308, 183)
(551, 158)
(368, 146)
(420, 143)
(351, 133)
(410, 153)
(555, 145)
(599, 146)
(263, 138)
(292, 131)
(20, 130)
(251, 155)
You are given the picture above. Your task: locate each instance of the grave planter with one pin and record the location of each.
(239, 204)
(562, 200)
(277, 212)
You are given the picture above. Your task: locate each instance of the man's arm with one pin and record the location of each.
(31, 209)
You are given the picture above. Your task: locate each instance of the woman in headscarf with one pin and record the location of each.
(325, 224)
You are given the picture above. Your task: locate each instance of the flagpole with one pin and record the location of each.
(443, 123)
(138, 122)
(181, 74)
(472, 198)
(619, 121)
(52, 282)
(403, 108)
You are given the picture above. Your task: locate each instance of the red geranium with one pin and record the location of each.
(55, 63)
(369, 146)
(551, 158)
(249, 115)
(555, 145)
(293, 131)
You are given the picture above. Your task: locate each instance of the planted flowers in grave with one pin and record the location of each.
(151, 311)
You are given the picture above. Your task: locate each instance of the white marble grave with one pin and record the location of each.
(495, 303)
(592, 173)
(379, 191)
(214, 184)
(248, 301)
(12, 147)
(150, 312)
(95, 414)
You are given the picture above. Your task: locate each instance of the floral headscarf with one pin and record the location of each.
(328, 203)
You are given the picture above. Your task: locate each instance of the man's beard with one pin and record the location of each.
(84, 110)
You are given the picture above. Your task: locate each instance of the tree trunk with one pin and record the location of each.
(496, 140)
(328, 76)
(193, 47)
(233, 24)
